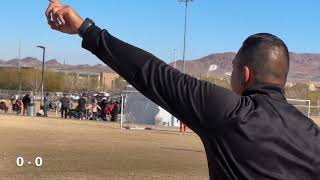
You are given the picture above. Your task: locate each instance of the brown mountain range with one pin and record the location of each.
(54, 65)
(305, 67)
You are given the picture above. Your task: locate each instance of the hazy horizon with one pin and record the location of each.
(61, 61)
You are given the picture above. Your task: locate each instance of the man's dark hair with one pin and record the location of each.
(268, 57)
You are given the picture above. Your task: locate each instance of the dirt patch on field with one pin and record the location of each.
(72, 149)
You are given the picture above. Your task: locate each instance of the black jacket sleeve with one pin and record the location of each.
(198, 103)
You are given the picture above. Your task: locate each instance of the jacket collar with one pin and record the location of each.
(273, 90)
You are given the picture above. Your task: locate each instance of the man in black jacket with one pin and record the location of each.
(26, 100)
(65, 103)
(251, 133)
(82, 107)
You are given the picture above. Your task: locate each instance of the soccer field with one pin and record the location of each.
(73, 149)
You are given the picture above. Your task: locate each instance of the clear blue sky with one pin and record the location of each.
(157, 26)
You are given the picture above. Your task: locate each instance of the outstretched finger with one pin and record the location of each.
(52, 10)
(54, 1)
(48, 11)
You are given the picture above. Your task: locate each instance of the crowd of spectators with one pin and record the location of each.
(91, 108)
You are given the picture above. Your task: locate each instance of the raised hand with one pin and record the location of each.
(63, 18)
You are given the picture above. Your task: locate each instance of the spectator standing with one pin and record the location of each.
(103, 105)
(115, 112)
(45, 107)
(95, 107)
(26, 102)
(64, 106)
(108, 109)
(18, 106)
(82, 107)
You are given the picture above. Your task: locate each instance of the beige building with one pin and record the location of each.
(107, 80)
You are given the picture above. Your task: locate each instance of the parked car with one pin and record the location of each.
(74, 97)
(104, 94)
(59, 94)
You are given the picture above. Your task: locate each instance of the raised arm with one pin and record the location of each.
(186, 97)
(200, 104)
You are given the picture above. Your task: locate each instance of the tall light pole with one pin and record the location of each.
(19, 65)
(185, 32)
(42, 72)
(182, 126)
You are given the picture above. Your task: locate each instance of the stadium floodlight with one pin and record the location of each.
(185, 32)
(19, 66)
(42, 73)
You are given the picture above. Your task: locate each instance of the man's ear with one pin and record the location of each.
(245, 75)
